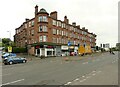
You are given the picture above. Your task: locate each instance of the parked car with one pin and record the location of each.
(4, 55)
(63, 54)
(12, 60)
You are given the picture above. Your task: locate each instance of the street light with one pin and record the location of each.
(9, 37)
(9, 34)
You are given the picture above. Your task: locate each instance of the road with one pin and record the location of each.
(97, 69)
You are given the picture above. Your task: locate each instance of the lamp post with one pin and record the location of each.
(9, 34)
(9, 47)
(9, 37)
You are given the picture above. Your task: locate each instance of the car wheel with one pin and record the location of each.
(10, 62)
(24, 61)
(5, 63)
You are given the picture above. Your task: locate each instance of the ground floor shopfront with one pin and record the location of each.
(45, 51)
(54, 50)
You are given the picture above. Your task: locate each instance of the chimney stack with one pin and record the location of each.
(83, 28)
(26, 19)
(36, 10)
(87, 30)
(53, 15)
(66, 20)
(78, 26)
(74, 23)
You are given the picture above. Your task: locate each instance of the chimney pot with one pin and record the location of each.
(74, 23)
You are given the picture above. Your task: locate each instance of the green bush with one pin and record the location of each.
(19, 50)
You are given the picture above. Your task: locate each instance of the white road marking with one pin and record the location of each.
(82, 80)
(13, 82)
(88, 77)
(68, 83)
(94, 74)
(83, 76)
(93, 71)
(76, 79)
(65, 84)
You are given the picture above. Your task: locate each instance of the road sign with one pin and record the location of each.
(10, 49)
(69, 43)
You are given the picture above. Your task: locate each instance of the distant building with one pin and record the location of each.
(118, 46)
(105, 46)
(46, 35)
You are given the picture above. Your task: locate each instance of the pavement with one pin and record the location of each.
(97, 69)
(69, 58)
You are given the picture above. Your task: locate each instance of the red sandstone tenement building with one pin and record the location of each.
(48, 36)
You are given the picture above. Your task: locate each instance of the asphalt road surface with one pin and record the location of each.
(97, 69)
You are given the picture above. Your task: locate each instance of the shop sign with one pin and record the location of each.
(10, 49)
(49, 47)
(37, 47)
(76, 48)
(69, 43)
(71, 47)
(64, 47)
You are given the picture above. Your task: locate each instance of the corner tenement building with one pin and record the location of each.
(46, 35)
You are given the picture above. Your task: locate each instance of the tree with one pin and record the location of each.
(6, 42)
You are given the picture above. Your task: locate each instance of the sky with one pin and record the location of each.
(98, 16)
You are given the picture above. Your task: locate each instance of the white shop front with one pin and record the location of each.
(64, 50)
(45, 51)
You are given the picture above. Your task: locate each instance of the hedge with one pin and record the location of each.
(17, 50)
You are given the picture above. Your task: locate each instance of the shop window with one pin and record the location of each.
(49, 53)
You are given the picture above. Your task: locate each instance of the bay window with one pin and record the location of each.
(42, 28)
(40, 38)
(53, 22)
(54, 31)
(43, 38)
(42, 19)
